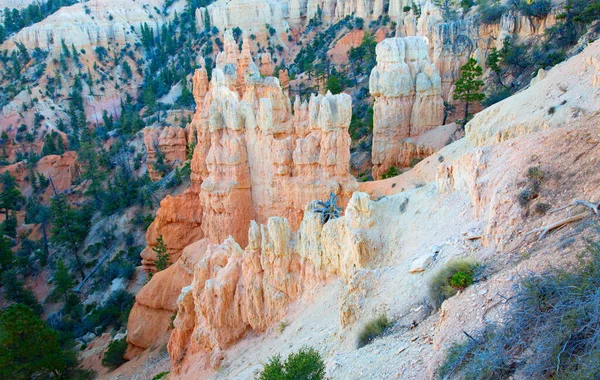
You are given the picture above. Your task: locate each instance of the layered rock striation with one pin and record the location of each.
(254, 14)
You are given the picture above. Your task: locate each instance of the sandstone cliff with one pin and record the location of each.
(253, 160)
(363, 264)
(170, 142)
(408, 99)
(237, 289)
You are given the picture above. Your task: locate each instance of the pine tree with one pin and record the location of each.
(15, 291)
(62, 280)
(6, 253)
(160, 164)
(10, 197)
(28, 348)
(206, 20)
(69, 227)
(468, 87)
(446, 7)
(493, 62)
(333, 84)
(163, 258)
(65, 49)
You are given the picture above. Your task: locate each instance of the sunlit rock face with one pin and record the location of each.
(408, 99)
(235, 289)
(253, 159)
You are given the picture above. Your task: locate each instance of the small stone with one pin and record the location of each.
(420, 263)
(401, 350)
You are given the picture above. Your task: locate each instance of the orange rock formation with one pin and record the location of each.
(253, 159)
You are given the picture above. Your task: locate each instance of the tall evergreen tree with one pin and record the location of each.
(28, 348)
(468, 86)
(163, 258)
(69, 227)
(63, 283)
(10, 197)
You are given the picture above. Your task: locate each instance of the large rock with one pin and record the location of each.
(237, 289)
(408, 102)
(253, 159)
(171, 142)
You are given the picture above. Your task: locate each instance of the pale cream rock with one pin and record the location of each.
(566, 86)
(253, 160)
(420, 263)
(408, 102)
(235, 289)
(106, 21)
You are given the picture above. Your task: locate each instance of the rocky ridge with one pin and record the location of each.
(253, 159)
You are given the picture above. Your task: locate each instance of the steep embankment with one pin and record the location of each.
(466, 204)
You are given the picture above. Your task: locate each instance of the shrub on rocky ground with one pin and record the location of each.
(373, 329)
(550, 330)
(456, 275)
(113, 357)
(305, 364)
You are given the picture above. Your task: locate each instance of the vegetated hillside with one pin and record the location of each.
(79, 82)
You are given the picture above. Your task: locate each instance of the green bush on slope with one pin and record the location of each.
(550, 331)
(305, 364)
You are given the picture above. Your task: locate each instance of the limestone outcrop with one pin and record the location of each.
(408, 102)
(252, 15)
(253, 159)
(170, 142)
(90, 24)
(567, 87)
(156, 302)
(237, 289)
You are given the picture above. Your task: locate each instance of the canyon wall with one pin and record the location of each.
(258, 163)
(253, 159)
(90, 24)
(408, 99)
(171, 142)
(252, 15)
(234, 289)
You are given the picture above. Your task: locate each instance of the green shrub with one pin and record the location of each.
(536, 8)
(373, 329)
(491, 14)
(115, 311)
(461, 280)
(305, 364)
(550, 330)
(496, 96)
(113, 357)
(456, 275)
(391, 172)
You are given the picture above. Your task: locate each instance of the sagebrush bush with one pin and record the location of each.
(113, 357)
(305, 364)
(456, 275)
(550, 330)
(537, 8)
(491, 14)
(373, 329)
(391, 172)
